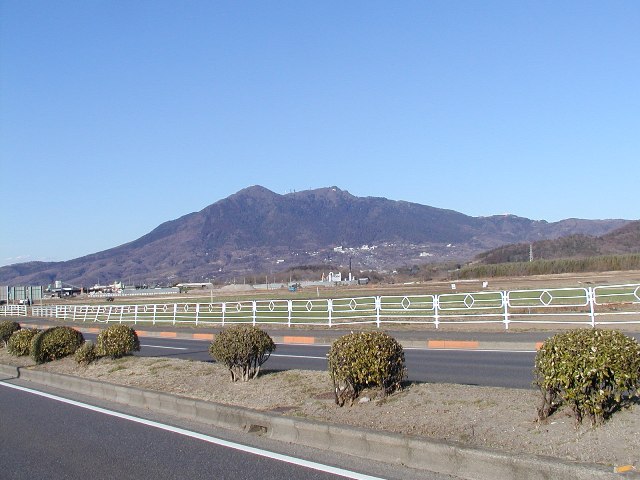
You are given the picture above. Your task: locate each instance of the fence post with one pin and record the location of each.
(378, 305)
(155, 307)
(175, 312)
(197, 313)
(436, 310)
(505, 304)
(591, 294)
(289, 312)
(254, 309)
(224, 310)
(135, 315)
(330, 310)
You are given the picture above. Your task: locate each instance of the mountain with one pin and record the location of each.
(623, 240)
(256, 231)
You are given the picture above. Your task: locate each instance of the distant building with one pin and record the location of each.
(20, 294)
(334, 277)
(62, 289)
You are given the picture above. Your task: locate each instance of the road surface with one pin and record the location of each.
(55, 437)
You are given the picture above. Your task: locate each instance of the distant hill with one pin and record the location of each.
(256, 231)
(623, 240)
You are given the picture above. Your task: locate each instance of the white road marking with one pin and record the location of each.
(297, 356)
(161, 346)
(425, 349)
(200, 436)
(468, 350)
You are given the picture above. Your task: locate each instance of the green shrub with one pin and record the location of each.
(6, 330)
(86, 353)
(243, 349)
(595, 372)
(19, 343)
(116, 341)
(361, 360)
(54, 343)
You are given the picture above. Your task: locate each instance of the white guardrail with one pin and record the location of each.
(602, 305)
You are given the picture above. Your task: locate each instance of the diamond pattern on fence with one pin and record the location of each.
(593, 306)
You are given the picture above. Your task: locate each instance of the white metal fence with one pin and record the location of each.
(13, 310)
(602, 305)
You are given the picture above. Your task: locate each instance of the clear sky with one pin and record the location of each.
(116, 116)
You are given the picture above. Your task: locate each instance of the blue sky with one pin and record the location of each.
(116, 116)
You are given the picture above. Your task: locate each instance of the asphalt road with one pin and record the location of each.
(511, 369)
(48, 437)
(496, 368)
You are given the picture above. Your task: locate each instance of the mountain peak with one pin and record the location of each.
(256, 230)
(254, 191)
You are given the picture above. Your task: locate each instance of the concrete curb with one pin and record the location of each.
(431, 455)
(439, 344)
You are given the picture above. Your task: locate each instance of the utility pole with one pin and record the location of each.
(531, 252)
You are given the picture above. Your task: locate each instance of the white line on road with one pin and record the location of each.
(161, 346)
(424, 349)
(322, 345)
(297, 356)
(200, 436)
(468, 350)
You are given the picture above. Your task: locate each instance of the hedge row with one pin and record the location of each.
(58, 342)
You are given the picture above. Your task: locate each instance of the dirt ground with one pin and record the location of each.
(498, 418)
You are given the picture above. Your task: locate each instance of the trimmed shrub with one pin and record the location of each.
(243, 349)
(116, 341)
(86, 353)
(19, 343)
(595, 372)
(55, 343)
(361, 360)
(6, 330)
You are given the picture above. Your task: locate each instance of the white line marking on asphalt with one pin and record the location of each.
(488, 350)
(297, 356)
(160, 346)
(468, 350)
(200, 436)
(425, 349)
